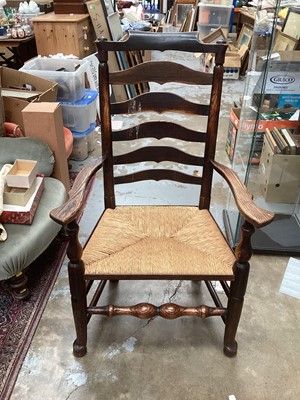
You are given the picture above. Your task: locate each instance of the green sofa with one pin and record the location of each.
(26, 242)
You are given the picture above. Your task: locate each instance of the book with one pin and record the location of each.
(286, 148)
(281, 145)
(24, 214)
(287, 135)
(271, 141)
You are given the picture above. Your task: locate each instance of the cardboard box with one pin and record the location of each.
(249, 125)
(24, 215)
(22, 174)
(279, 176)
(45, 122)
(18, 79)
(280, 85)
(234, 59)
(232, 64)
(18, 196)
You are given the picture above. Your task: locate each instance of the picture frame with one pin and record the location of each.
(291, 25)
(114, 25)
(213, 37)
(284, 42)
(181, 12)
(98, 14)
(245, 36)
(189, 22)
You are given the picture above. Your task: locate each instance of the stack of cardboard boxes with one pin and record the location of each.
(22, 193)
(78, 104)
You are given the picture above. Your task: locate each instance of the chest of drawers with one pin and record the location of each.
(64, 33)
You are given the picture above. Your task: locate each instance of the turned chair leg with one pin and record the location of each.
(235, 306)
(18, 286)
(79, 306)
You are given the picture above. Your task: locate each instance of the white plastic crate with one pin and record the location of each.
(214, 14)
(79, 115)
(68, 73)
(217, 2)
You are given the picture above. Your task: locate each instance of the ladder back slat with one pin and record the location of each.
(160, 72)
(159, 102)
(158, 175)
(159, 130)
(158, 154)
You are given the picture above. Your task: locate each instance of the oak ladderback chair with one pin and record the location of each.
(154, 242)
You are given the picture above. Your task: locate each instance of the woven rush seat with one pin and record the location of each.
(156, 240)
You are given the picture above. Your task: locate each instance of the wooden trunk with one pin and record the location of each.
(64, 33)
(71, 7)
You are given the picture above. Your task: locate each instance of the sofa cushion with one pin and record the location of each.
(28, 149)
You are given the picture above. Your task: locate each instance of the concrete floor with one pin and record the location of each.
(158, 359)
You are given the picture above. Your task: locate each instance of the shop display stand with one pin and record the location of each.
(282, 236)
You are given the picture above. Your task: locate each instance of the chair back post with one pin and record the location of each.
(106, 129)
(212, 130)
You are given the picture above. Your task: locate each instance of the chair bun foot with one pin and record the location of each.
(79, 351)
(230, 351)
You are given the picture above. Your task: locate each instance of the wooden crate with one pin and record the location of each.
(64, 33)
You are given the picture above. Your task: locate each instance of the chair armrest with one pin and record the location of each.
(257, 216)
(70, 210)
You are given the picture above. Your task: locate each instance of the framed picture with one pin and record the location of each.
(189, 22)
(245, 36)
(215, 36)
(291, 25)
(284, 42)
(181, 12)
(115, 26)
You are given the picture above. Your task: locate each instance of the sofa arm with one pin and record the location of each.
(28, 149)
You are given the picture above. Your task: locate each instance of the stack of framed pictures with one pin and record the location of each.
(107, 24)
(288, 38)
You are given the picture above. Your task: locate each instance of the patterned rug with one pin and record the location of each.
(19, 319)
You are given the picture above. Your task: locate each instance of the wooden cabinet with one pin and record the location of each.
(64, 33)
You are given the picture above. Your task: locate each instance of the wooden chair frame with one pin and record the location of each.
(80, 276)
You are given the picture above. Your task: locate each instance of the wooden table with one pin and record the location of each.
(21, 49)
(244, 17)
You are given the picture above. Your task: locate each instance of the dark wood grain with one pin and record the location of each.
(159, 130)
(71, 209)
(152, 72)
(158, 175)
(244, 199)
(159, 102)
(179, 41)
(167, 311)
(158, 154)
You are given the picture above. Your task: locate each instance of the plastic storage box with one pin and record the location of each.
(83, 143)
(68, 73)
(218, 2)
(79, 115)
(214, 14)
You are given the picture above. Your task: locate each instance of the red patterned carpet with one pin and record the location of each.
(19, 320)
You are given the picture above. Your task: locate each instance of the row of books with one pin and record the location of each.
(283, 141)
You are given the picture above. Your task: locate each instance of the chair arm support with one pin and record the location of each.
(70, 210)
(257, 216)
